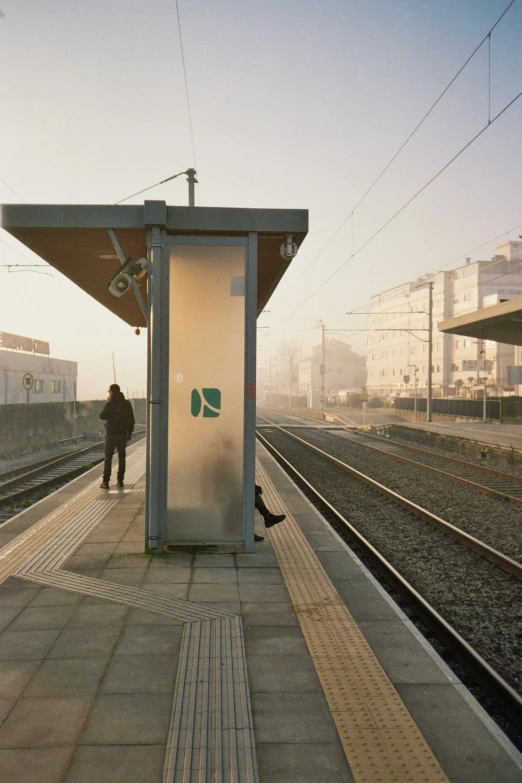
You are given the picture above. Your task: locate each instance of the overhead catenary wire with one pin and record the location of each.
(162, 182)
(404, 206)
(186, 84)
(412, 134)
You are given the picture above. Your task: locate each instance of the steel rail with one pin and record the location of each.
(15, 496)
(489, 680)
(507, 564)
(354, 438)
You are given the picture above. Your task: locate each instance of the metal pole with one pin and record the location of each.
(484, 402)
(323, 367)
(155, 535)
(270, 373)
(415, 396)
(191, 179)
(113, 367)
(290, 357)
(74, 408)
(430, 352)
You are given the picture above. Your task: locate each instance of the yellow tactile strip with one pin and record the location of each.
(381, 741)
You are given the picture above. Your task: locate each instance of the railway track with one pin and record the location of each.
(506, 697)
(479, 477)
(507, 564)
(37, 478)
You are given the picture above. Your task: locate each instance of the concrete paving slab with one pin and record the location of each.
(44, 722)
(140, 674)
(149, 640)
(266, 640)
(67, 677)
(137, 719)
(275, 718)
(211, 593)
(169, 576)
(26, 645)
(259, 576)
(50, 596)
(269, 614)
(364, 603)
(257, 560)
(282, 673)
(16, 598)
(473, 755)
(214, 576)
(85, 642)
(175, 590)
(123, 576)
(297, 763)
(14, 677)
(266, 594)
(7, 616)
(141, 617)
(105, 614)
(42, 617)
(117, 764)
(210, 560)
(401, 655)
(35, 765)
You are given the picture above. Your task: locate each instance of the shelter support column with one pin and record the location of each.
(249, 451)
(157, 369)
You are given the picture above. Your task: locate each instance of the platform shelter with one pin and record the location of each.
(197, 278)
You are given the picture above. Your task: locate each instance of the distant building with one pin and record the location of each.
(29, 374)
(343, 369)
(397, 341)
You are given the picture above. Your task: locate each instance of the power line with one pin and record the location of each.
(150, 187)
(186, 84)
(12, 190)
(412, 134)
(404, 206)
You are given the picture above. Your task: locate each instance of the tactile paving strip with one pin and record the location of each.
(211, 736)
(381, 741)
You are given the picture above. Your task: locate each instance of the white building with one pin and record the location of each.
(397, 341)
(343, 369)
(29, 374)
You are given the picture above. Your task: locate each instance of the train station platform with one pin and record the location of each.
(288, 665)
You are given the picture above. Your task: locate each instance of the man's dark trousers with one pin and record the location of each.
(113, 442)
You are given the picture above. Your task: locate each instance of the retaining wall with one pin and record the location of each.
(28, 428)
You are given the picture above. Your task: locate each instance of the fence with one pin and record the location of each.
(496, 409)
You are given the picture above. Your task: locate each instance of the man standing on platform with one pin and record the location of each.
(119, 426)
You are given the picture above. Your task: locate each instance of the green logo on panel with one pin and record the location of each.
(211, 400)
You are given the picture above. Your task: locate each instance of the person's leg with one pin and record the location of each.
(107, 465)
(270, 519)
(121, 446)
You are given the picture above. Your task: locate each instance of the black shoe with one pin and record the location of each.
(104, 485)
(258, 538)
(273, 519)
(120, 483)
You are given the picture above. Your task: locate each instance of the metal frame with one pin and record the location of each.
(159, 245)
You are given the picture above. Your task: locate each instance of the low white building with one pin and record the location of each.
(29, 374)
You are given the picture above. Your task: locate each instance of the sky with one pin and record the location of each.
(294, 104)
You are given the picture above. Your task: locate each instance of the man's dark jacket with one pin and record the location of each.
(118, 416)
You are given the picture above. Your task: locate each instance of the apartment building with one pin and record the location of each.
(397, 340)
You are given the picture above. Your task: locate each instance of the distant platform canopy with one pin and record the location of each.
(501, 323)
(74, 239)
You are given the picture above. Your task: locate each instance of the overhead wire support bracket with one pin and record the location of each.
(143, 306)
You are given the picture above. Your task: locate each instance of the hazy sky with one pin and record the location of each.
(295, 104)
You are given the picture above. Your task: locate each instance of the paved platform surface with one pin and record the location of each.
(92, 632)
(507, 435)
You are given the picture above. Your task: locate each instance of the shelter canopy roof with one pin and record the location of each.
(501, 323)
(74, 239)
